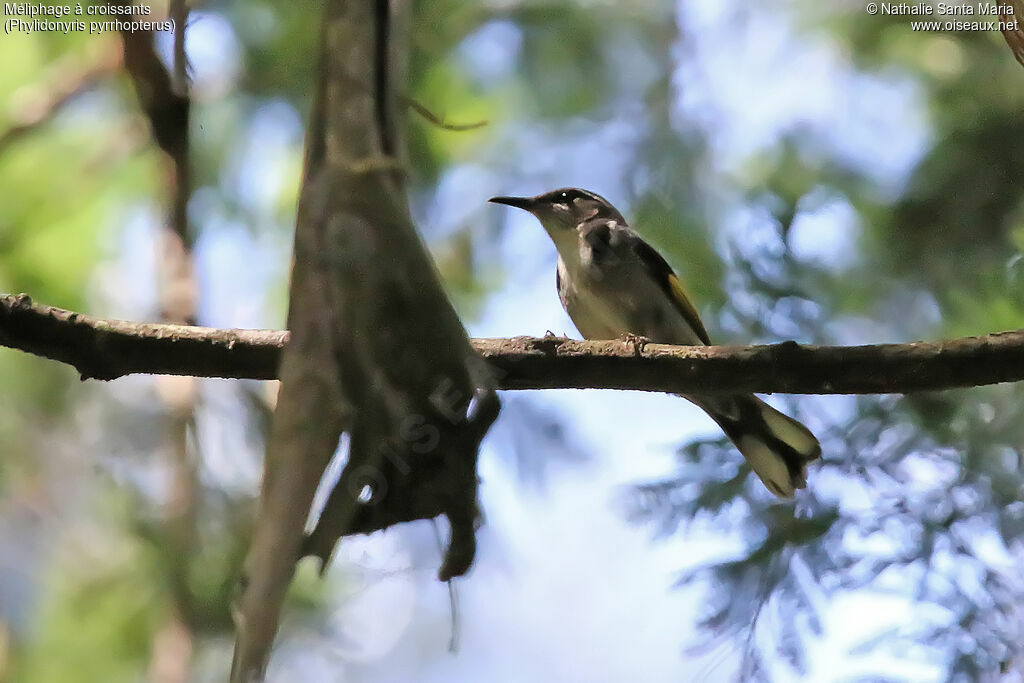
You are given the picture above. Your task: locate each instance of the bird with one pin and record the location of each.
(615, 285)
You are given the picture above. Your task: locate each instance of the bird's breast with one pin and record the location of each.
(591, 309)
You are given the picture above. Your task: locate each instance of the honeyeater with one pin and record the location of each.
(613, 284)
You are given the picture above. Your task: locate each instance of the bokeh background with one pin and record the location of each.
(812, 172)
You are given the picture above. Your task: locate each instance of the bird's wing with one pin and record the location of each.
(604, 235)
(671, 285)
(669, 282)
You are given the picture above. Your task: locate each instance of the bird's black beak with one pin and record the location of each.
(525, 203)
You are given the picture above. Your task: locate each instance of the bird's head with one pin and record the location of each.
(563, 211)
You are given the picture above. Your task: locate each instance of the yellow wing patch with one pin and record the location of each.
(686, 308)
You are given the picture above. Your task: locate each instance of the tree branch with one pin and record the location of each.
(107, 349)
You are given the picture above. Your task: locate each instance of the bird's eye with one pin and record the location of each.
(564, 195)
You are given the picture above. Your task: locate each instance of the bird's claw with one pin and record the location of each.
(639, 342)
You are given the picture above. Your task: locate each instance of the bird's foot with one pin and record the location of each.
(638, 342)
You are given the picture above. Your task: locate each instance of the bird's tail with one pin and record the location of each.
(777, 447)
